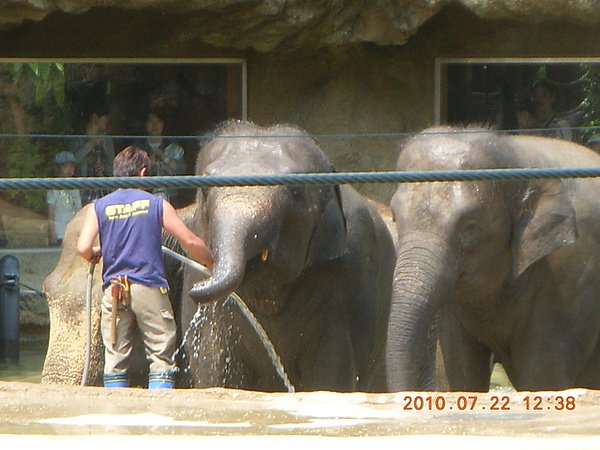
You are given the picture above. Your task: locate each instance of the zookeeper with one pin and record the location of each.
(129, 223)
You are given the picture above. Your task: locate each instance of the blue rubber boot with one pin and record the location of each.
(116, 380)
(161, 380)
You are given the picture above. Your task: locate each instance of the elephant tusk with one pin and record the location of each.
(264, 255)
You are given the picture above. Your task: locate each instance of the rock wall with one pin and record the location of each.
(262, 25)
(350, 99)
(338, 89)
(271, 24)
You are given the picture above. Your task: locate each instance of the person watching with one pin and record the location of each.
(95, 153)
(166, 157)
(543, 98)
(62, 204)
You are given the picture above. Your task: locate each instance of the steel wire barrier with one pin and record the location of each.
(296, 179)
(435, 130)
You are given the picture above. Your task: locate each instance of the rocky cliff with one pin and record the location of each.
(283, 24)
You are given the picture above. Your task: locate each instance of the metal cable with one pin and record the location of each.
(298, 179)
(317, 136)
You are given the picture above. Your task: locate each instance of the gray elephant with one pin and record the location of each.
(313, 263)
(510, 267)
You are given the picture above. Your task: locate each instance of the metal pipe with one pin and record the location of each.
(190, 262)
(9, 308)
(88, 333)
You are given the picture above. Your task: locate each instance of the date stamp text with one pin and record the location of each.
(488, 402)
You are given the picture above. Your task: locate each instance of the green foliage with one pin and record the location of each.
(591, 102)
(28, 159)
(24, 157)
(48, 78)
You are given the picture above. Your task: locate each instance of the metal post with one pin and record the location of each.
(9, 309)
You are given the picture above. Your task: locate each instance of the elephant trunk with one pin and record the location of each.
(421, 278)
(239, 229)
(229, 268)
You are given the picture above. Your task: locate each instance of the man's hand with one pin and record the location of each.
(195, 246)
(87, 236)
(99, 169)
(96, 255)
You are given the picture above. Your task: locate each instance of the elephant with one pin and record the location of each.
(314, 264)
(507, 270)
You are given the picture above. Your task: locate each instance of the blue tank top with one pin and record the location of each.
(130, 228)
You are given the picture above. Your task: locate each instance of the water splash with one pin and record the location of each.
(200, 321)
(260, 331)
(199, 316)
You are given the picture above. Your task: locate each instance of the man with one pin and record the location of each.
(166, 157)
(543, 99)
(95, 154)
(129, 223)
(525, 115)
(63, 204)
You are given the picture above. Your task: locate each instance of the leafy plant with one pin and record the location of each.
(24, 157)
(48, 78)
(28, 159)
(591, 102)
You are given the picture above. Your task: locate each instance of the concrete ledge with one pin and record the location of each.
(501, 418)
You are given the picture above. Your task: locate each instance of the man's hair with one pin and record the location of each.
(130, 161)
(546, 84)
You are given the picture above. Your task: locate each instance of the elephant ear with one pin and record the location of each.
(328, 239)
(545, 224)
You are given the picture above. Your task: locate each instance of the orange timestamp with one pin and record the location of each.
(488, 402)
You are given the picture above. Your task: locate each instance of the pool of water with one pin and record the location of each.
(32, 353)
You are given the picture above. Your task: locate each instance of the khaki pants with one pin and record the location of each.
(149, 311)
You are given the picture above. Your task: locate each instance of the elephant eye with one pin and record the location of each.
(470, 234)
(296, 193)
(205, 191)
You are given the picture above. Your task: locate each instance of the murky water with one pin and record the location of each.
(31, 360)
(33, 352)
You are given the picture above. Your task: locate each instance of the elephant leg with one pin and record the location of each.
(466, 361)
(552, 345)
(545, 358)
(329, 364)
(545, 364)
(589, 375)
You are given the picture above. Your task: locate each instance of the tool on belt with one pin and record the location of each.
(119, 291)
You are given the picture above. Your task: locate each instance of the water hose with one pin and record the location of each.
(88, 331)
(190, 262)
(246, 312)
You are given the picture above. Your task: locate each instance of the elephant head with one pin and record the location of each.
(465, 243)
(263, 234)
